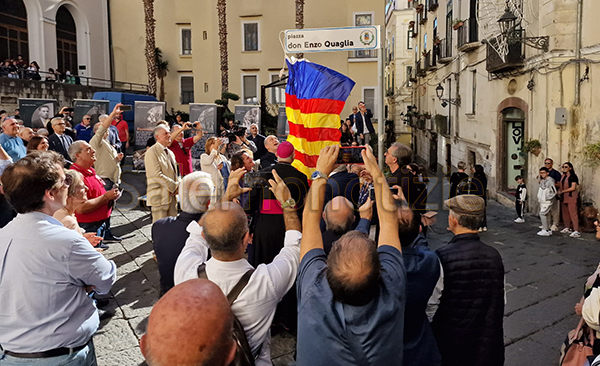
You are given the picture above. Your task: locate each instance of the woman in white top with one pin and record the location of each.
(211, 163)
(76, 195)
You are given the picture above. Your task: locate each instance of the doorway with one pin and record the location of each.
(433, 153)
(513, 160)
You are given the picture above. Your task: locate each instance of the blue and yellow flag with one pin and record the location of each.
(314, 98)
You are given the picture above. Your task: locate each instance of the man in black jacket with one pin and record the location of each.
(259, 141)
(169, 234)
(364, 126)
(270, 157)
(468, 322)
(59, 141)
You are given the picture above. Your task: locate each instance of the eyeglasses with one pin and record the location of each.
(548, 163)
(87, 118)
(67, 182)
(565, 167)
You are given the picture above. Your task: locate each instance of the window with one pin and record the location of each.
(186, 41)
(409, 70)
(251, 36)
(409, 39)
(449, 25)
(277, 93)
(187, 89)
(474, 92)
(369, 98)
(66, 41)
(13, 30)
(250, 88)
(425, 43)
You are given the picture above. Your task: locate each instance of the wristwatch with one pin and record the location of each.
(317, 174)
(291, 203)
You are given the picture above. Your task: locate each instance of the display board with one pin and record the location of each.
(35, 113)
(206, 114)
(91, 107)
(146, 117)
(247, 115)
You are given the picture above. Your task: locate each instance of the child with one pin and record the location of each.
(546, 196)
(521, 197)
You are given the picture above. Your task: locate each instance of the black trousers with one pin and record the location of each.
(519, 207)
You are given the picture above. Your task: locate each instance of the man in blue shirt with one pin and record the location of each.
(84, 130)
(47, 316)
(350, 303)
(10, 140)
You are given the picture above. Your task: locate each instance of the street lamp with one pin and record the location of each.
(440, 93)
(507, 24)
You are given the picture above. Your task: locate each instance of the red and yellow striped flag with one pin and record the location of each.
(314, 98)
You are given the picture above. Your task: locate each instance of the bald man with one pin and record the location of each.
(225, 231)
(270, 157)
(350, 302)
(339, 218)
(26, 134)
(192, 324)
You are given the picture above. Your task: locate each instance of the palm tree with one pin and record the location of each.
(162, 68)
(150, 45)
(300, 18)
(222, 14)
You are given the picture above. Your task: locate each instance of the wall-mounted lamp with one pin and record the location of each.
(508, 23)
(440, 93)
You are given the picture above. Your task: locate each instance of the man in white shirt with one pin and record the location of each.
(225, 231)
(46, 316)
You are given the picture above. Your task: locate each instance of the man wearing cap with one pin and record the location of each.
(468, 322)
(269, 224)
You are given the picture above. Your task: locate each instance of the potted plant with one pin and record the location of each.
(457, 23)
(411, 24)
(437, 41)
(532, 146)
(433, 6)
(591, 153)
(427, 115)
(419, 8)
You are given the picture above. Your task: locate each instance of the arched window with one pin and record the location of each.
(13, 30)
(66, 41)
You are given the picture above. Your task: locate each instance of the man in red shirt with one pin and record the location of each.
(182, 148)
(93, 214)
(123, 128)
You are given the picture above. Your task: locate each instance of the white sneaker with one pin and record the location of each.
(575, 234)
(484, 228)
(519, 220)
(544, 233)
(554, 228)
(566, 231)
(480, 229)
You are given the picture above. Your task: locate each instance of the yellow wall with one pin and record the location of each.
(273, 16)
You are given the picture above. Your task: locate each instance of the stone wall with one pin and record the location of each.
(13, 89)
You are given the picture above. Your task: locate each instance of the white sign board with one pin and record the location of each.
(332, 39)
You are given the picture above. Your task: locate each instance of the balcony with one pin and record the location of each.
(514, 59)
(363, 55)
(468, 36)
(420, 66)
(445, 51)
(429, 61)
(432, 5)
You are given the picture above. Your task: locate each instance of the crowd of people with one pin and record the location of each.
(253, 249)
(357, 128)
(19, 68)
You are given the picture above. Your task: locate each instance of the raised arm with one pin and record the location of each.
(233, 186)
(186, 126)
(386, 209)
(283, 195)
(313, 208)
(107, 122)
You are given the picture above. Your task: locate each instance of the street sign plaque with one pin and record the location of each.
(332, 39)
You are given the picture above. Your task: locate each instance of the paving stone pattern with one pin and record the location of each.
(544, 280)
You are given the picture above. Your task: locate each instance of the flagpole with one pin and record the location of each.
(381, 112)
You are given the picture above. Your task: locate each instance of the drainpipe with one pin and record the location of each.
(578, 52)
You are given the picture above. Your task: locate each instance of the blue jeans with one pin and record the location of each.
(85, 357)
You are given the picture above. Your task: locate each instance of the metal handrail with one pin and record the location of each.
(47, 77)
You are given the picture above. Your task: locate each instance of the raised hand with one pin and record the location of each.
(327, 159)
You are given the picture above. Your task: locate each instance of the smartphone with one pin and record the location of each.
(257, 179)
(124, 108)
(394, 191)
(350, 155)
(372, 193)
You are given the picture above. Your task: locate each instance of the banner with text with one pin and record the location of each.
(332, 39)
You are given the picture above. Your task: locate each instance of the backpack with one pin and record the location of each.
(243, 353)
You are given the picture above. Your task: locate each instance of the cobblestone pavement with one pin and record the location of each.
(544, 278)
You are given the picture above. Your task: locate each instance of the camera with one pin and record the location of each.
(233, 133)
